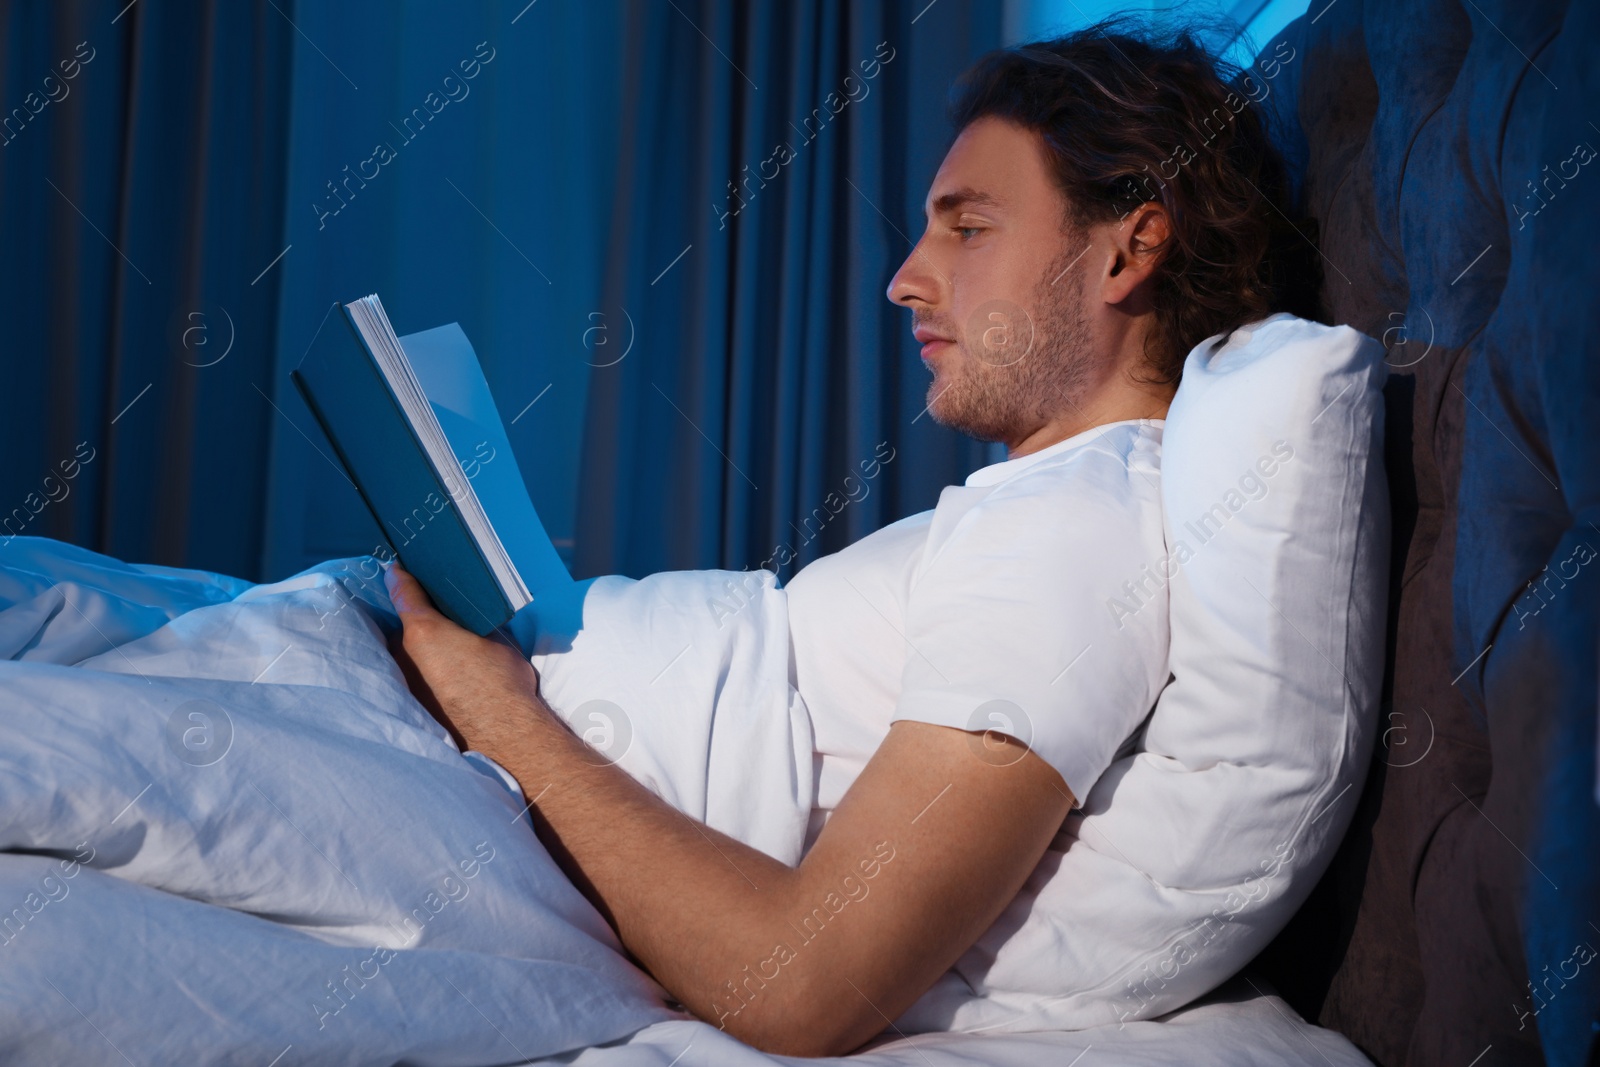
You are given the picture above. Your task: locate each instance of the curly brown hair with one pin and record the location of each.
(1129, 111)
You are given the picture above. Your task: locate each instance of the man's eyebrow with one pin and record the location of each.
(962, 197)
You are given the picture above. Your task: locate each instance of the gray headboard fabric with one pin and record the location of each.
(1446, 152)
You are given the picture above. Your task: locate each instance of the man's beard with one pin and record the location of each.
(1019, 366)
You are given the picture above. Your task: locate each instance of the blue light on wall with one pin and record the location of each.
(1027, 20)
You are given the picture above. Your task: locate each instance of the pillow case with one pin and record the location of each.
(1193, 851)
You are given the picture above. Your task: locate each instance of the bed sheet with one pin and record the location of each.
(1241, 1023)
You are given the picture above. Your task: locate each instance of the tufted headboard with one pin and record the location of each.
(1447, 153)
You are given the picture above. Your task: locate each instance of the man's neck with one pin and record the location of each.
(1136, 400)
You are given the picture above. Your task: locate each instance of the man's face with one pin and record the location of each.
(996, 292)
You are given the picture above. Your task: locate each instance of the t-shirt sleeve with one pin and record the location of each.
(1042, 614)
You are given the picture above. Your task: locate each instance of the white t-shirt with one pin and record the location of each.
(1025, 603)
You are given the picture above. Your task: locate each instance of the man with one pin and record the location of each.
(966, 682)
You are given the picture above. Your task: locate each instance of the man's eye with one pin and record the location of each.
(967, 233)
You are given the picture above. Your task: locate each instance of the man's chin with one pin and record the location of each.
(947, 411)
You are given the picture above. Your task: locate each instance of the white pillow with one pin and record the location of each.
(1190, 854)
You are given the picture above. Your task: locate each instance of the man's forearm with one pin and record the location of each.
(693, 905)
(701, 911)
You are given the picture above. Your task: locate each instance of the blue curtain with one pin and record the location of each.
(684, 325)
(141, 192)
(774, 163)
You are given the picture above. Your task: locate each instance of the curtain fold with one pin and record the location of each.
(773, 165)
(140, 197)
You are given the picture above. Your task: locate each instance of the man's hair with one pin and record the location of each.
(1128, 112)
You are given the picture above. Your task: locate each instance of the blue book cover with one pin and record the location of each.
(416, 429)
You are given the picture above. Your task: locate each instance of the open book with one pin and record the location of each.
(415, 427)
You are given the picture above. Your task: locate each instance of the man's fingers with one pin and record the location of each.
(409, 598)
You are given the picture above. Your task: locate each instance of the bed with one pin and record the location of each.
(179, 740)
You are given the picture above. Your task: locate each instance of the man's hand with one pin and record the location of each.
(479, 688)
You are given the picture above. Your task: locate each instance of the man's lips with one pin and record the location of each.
(930, 340)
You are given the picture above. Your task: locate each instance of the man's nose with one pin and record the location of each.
(916, 283)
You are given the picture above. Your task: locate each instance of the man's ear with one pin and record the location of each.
(1138, 243)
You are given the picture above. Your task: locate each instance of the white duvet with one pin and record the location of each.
(173, 741)
(228, 834)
